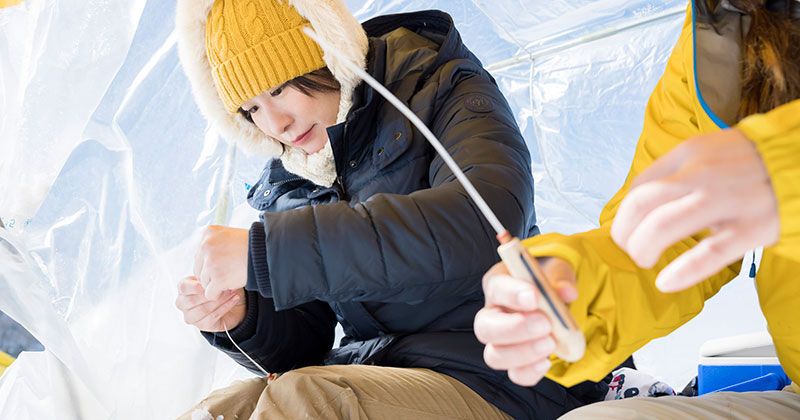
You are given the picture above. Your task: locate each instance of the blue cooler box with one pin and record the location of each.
(741, 363)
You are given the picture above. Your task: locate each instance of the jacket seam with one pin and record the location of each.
(433, 237)
(380, 243)
(317, 246)
(335, 297)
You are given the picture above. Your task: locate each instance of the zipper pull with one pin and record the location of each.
(753, 267)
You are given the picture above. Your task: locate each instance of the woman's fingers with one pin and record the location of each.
(190, 286)
(221, 260)
(726, 189)
(513, 294)
(673, 221)
(199, 260)
(510, 314)
(196, 307)
(498, 269)
(665, 166)
(215, 288)
(510, 293)
(712, 254)
(529, 375)
(211, 322)
(189, 302)
(199, 312)
(705, 259)
(517, 335)
(638, 204)
(517, 355)
(499, 327)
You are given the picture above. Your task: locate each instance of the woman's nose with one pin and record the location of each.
(278, 122)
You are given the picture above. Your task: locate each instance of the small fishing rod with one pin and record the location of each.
(570, 342)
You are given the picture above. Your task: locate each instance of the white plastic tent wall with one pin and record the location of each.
(107, 171)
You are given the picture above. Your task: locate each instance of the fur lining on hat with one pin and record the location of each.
(331, 20)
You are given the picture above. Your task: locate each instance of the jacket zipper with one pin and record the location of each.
(285, 181)
(340, 178)
(340, 181)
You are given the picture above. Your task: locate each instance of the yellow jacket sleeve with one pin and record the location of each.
(776, 135)
(619, 308)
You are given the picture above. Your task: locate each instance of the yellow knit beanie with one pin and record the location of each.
(256, 45)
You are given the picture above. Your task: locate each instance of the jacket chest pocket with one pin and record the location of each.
(395, 144)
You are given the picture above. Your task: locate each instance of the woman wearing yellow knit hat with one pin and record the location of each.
(362, 222)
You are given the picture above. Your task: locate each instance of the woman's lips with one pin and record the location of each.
(303, 138)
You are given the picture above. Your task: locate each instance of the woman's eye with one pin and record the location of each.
(252, 110)
(277, 91)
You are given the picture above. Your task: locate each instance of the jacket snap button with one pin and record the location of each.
(266, 192)
(353, 164)
(398, 135)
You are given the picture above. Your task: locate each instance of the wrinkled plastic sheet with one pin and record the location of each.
(108, 171)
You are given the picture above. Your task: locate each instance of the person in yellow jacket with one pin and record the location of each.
(716, 173)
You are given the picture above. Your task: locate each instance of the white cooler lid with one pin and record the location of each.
(746, 349)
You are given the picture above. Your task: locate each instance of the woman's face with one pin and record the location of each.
(294, 118)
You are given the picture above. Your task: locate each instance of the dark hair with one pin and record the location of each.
(318, 81)
(770, 53)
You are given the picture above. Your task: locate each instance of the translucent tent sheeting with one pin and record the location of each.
(108, 171)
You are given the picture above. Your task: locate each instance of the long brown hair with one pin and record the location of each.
(321, 80)
(770, 53)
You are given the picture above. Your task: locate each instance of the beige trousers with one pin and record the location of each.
(349, 392)
(723, 405)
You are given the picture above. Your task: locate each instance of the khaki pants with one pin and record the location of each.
(350, 392)
(723, 405)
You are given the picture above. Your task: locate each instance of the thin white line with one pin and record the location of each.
(221, 218)
(243, 352)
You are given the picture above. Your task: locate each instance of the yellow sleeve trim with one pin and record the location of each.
(776, 123)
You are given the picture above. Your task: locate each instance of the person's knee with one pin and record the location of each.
(306, 383)
(310, 392)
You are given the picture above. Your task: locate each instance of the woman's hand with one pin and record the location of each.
(717, 182)
(515, 331)
(210, 315)
(221, 262)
